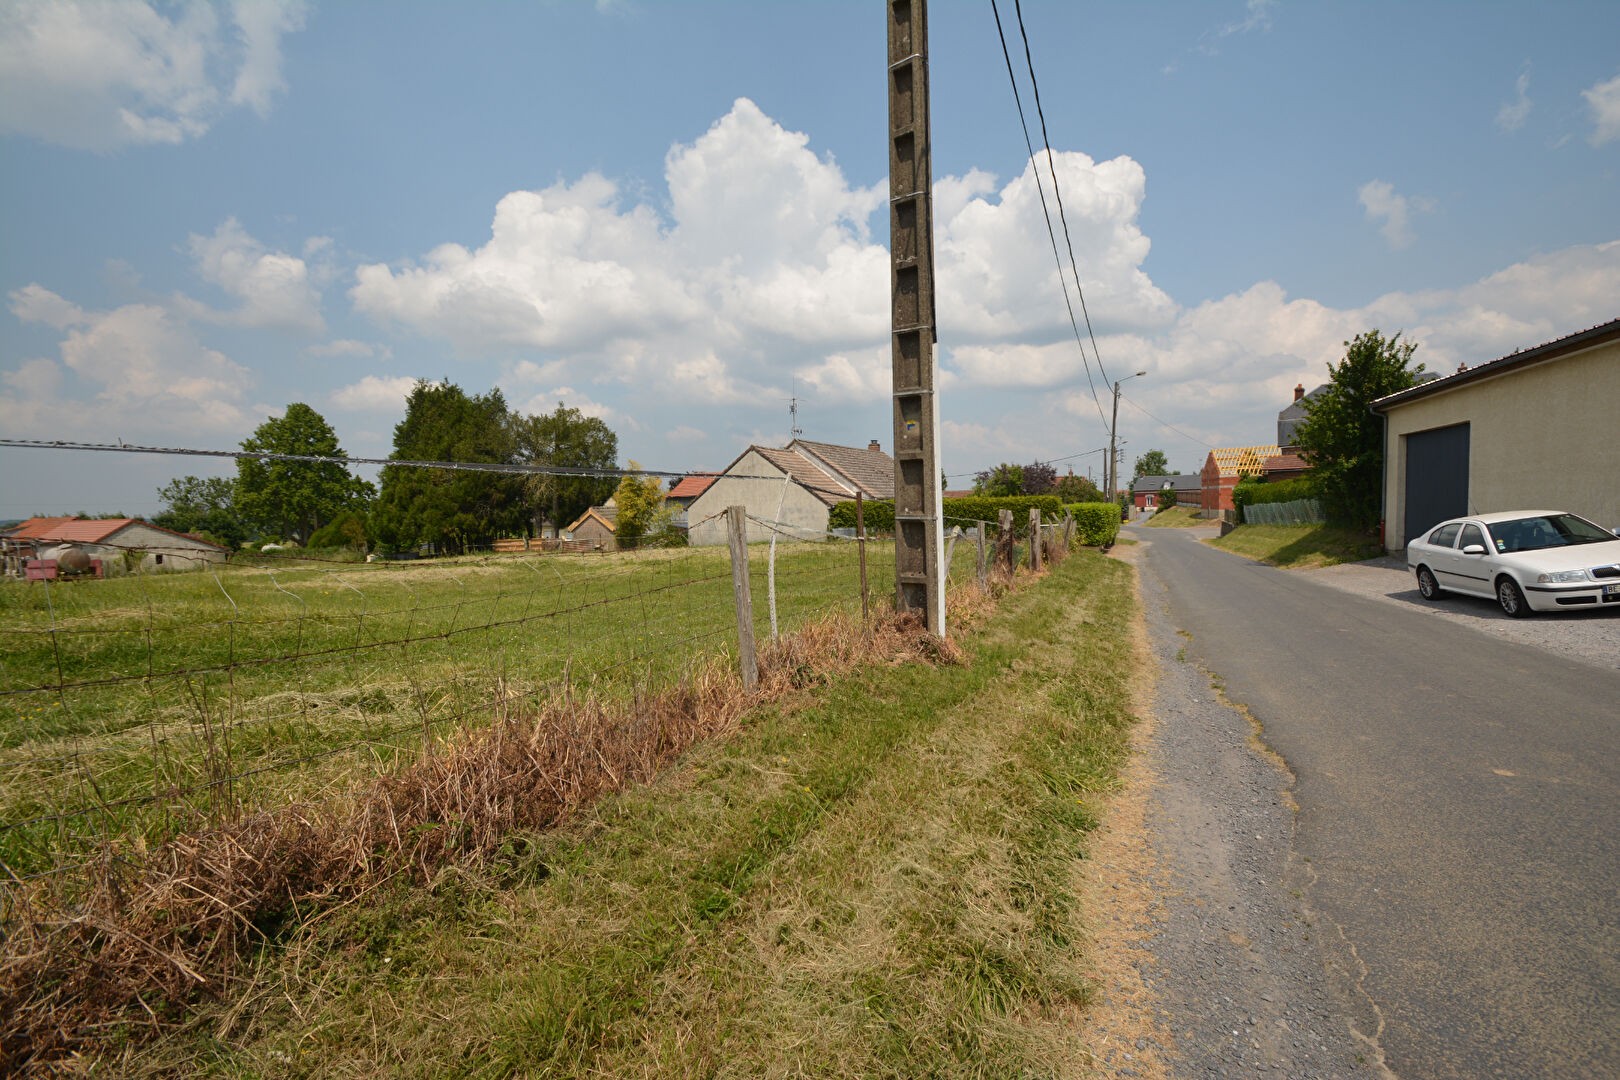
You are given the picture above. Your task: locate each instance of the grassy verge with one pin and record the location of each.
(873, 880)
(1179, 517)
(1299, 547)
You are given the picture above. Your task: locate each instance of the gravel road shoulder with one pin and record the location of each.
(1210, 963)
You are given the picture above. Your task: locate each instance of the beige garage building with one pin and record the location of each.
(1530, 431)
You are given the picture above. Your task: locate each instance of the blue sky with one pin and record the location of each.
(672, 215)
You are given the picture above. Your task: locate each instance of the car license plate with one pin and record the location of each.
(1611, 590)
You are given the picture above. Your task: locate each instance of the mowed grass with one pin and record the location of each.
(136, 707)
(876, 879)
(1299, 547)
(1177, 517)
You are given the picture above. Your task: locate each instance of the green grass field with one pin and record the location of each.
(1299, 547)
(874, 877)
(1175, 517)
(139, 706)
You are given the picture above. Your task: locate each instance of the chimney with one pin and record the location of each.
(1462, 368)
(1299, 391)
(875, 445)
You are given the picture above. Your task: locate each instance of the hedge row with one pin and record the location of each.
(1251, 492)
(1095, 524)
(879, 513)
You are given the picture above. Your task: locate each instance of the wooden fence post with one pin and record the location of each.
(1005, 541)
(950, 550)
(980, 528)
(737, 538)
(860, 542)
(1035, 541)
(1068, 530)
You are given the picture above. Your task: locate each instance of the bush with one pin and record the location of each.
(1252, 490)
(348, 529)
(1096, 524)
(879, 513)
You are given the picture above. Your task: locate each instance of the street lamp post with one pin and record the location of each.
(1113, 431)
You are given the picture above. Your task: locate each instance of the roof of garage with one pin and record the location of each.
(1601, 334)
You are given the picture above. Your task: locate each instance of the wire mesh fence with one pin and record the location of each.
(138, 707)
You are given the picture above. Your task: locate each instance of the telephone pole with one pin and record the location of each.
(918, 527)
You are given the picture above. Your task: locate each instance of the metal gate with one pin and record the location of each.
(1436, 478)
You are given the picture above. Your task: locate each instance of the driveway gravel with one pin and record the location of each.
(1590, 636)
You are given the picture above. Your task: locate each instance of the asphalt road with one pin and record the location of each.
(1458, 811)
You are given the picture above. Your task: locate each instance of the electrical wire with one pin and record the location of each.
(1050, 232)
(1057, 191)
(1166, 424)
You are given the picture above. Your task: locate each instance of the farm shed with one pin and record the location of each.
(594, 530)
(1530, 430)
(805, 479)
(1224, 468)
(115, 541)
(1145, 492)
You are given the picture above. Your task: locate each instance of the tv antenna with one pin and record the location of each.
(794, 431)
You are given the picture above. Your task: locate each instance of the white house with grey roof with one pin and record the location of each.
(795, 486)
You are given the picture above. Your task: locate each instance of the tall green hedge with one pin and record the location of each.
(879, 513)
(1253, 490)
(1095, 524)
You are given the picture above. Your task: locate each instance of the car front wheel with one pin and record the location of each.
(1511, 598)
(1427, 586)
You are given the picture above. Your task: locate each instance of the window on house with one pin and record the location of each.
(157, 560)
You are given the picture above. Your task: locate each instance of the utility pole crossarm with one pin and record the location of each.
(919, 540)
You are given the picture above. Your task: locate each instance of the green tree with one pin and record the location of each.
(1003, 480)
(1152, 463)
(453, 509)
(348, 530)
(644, 518)
(294, 498)
(1075, 489)
(1341, 439)
(1039, 479)
(206, 505)
(566, 438)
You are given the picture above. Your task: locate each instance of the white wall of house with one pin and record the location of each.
(1540, 438)
(164, 551)
(802, 513)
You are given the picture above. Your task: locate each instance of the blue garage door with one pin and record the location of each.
(1436, 477)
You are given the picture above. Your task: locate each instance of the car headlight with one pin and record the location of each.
(1560, 576)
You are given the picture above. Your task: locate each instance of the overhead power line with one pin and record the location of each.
(1057, 191)
(1040, 187)
(499, 467)
(1166, 424)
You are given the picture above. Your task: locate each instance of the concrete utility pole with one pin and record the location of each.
(918, 527)
(1113, 432)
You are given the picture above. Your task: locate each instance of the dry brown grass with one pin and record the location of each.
(147, 933)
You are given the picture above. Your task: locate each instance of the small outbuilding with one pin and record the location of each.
(594, 530)
(1533, 429)
(118, 544)
(795, 486)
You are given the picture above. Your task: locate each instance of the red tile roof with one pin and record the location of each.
(691, 485)
(1286, 463)
(34, 528)
(91, 531)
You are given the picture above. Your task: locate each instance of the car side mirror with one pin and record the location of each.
(1474, 549)
(1617, 532)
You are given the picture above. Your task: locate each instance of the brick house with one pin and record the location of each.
(1224, 468)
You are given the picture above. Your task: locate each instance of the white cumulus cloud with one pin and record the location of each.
(274, 288)
(375, 394)
(132, 370)
(111, 73)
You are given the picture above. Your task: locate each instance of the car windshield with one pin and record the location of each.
(1546, 531)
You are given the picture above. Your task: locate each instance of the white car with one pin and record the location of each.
(1527, 560)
